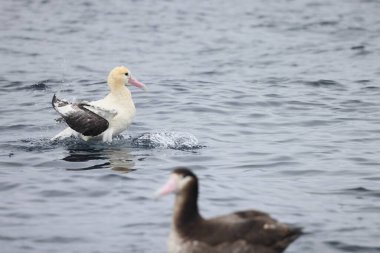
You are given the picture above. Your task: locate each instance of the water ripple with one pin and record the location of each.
(352, 248)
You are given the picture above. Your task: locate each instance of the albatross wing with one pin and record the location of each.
(255, 228)
(82, 117)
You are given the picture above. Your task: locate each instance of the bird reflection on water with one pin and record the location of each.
(116, 159)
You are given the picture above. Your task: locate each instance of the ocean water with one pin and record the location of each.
(273, 104)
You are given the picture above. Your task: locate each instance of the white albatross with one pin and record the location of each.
(101, 119)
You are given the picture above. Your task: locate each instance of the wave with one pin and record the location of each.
(171, 140)
(158, 139)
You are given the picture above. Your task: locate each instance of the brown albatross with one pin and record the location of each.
(240, 232)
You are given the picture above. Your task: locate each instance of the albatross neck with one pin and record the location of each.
(186, 207)
(118, 88)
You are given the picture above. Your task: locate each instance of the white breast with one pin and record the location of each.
(123, 107)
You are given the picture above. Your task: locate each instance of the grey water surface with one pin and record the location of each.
(273, 103)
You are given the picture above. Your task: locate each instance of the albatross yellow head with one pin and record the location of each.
(120, 76)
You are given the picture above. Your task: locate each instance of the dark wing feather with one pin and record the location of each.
(253, 227)
(80, 118)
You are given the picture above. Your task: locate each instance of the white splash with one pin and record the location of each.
(173, 140)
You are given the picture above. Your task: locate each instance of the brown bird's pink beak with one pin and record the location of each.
(169, 187)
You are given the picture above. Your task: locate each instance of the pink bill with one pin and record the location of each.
(169, 187)
(137, 83)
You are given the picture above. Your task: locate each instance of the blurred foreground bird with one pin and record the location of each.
(240, 232)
